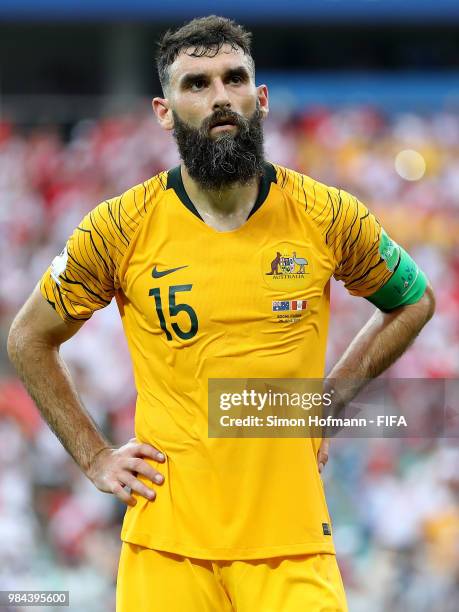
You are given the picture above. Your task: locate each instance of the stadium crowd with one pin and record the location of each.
(394, 503)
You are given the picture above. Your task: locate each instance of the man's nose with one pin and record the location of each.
(220, 99)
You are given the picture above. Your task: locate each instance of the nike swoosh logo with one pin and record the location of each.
(156, 274)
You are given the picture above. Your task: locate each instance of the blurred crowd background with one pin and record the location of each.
(370, 104)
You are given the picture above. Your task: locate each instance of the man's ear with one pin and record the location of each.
(263, 100)
(163, 113)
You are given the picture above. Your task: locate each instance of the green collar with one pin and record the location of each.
(175, 182)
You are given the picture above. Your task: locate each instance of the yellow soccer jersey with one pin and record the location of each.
(196, 304)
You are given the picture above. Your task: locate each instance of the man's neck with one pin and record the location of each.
(225, 209)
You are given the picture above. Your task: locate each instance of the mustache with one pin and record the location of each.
(220, 117)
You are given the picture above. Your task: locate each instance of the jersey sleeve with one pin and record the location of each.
(356, 239)
(82, 279)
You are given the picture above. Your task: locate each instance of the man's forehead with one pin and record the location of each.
(195, 59)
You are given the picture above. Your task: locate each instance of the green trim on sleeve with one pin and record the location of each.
(406, 285)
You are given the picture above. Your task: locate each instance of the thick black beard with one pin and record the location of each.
(226, 160)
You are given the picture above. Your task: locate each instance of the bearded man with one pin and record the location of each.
(221, 268)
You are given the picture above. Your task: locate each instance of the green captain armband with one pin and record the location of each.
(407, 283)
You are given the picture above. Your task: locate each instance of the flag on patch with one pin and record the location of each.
(281, 305)
(299, 304)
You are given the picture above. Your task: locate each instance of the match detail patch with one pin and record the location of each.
(280, 305)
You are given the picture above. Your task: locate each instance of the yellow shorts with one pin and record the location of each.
(154, 581)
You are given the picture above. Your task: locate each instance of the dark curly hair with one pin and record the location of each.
(206, 36)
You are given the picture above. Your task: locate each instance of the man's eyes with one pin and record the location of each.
(197, 84)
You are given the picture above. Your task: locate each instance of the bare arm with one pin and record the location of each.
(382, 340)
(33, 347)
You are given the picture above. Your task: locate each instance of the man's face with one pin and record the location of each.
(216, 111)
(200, 85)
